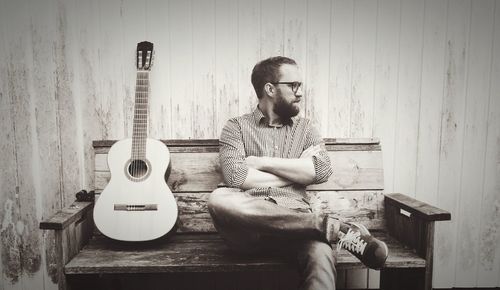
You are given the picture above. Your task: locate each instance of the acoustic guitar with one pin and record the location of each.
(137, 204)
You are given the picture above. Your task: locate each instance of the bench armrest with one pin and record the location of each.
(412, 223)
(73, 227)
(416, 207)
(68, 215)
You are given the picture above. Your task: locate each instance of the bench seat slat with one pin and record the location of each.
(97, 144)
(204, 253)
(359, 206)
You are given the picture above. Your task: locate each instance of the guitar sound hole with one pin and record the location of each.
(138, 168)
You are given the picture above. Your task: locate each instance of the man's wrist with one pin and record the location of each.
(255, 162)
(263, 163)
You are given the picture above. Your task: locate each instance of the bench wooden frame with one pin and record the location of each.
(355, 191)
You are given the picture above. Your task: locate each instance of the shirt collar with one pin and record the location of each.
(261, 119)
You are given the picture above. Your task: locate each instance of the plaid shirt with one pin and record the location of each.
(251, 135)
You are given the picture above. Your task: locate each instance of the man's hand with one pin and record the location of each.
(311, 151)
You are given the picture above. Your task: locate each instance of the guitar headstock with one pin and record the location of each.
(144, 55)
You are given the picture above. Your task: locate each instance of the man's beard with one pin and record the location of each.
(285, 110)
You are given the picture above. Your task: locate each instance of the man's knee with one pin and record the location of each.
(220, 198)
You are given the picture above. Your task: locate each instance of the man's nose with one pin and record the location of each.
(299, 92)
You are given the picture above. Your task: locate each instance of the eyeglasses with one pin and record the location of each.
(294, 85)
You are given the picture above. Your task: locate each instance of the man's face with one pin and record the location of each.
(286, 103)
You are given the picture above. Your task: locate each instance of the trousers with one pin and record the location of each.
(250, 225)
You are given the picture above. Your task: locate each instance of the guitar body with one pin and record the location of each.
(137, 204)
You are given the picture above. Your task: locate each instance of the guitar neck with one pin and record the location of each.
(140, 127)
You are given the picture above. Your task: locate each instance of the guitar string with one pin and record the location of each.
(141, 105)
(134, 137)
(140, 126)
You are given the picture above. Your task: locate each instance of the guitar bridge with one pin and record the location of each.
(135, 207)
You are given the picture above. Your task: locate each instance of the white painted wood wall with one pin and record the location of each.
(424, 76)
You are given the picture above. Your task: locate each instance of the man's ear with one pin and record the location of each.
(269, 89)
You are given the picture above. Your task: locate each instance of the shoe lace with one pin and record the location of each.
(353, 242)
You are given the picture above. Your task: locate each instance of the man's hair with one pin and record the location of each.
(268, 71)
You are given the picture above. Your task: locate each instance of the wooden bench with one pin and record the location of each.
(197, 253)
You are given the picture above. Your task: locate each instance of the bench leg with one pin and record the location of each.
(417, 234)
(69, 241)
(61, 278)
(404, 278)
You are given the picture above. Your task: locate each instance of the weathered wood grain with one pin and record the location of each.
(215, 148)
(9, 242)
(67, 216)
(10, 266)
(181, 67)
(69, 241)
(160, 125)
(363, 64)
(194, 172)
(354, 170)
(178, 145)
(193, 212)
(249, 53)
(271, 38)
(69, 102)
(294, 32)
(489, 254)
(429, 126)
(408, 100)
(413, 230)
(365, 207)
(116, 65)
(87, 75)
(475, 133)
(418, 208)
(340, 90)
(315, 91)
(204, 67)
(20, 244)
(386, 83)
(129, 19)
(227, 78)
(202, 253)
(451, 138)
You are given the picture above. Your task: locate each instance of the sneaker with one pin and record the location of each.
(356, 239)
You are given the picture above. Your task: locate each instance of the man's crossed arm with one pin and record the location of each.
(279, 172)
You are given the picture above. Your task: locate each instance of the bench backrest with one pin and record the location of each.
(354, 190)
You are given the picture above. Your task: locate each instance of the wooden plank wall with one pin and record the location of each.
(420, 75)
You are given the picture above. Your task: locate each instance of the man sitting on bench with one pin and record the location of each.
(268, 157)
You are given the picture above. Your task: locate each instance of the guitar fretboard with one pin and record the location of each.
(140, 127)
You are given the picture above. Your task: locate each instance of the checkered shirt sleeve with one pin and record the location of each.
(322, 163)
(232, 154)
